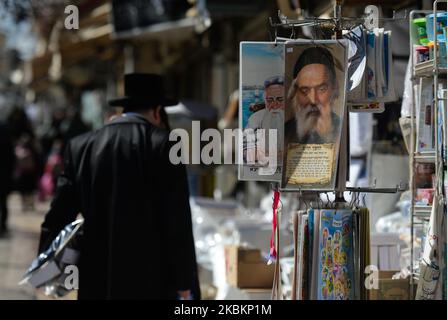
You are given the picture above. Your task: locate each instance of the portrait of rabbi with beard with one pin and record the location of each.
(311, 96)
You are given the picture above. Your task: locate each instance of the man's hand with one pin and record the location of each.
(184, 295)
(262, 157)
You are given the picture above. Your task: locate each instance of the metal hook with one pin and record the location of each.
(334, 27)
(364, 200)
(354, 200)
(350, 201)
(401, 187)
(350, 196)
(314, 30)
(281, 205)
(282, 17)
(276, 36)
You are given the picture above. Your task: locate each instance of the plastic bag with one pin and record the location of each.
(49, 269)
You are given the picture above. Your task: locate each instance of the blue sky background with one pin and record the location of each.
(260, 61)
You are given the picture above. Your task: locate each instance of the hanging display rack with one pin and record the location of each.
(339, 23)
(399, 188)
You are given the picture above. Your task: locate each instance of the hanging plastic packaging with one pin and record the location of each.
(56, 269)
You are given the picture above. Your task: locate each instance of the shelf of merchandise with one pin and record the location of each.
(422, 211)
(429, 157)
(420, 215)
(427, 69)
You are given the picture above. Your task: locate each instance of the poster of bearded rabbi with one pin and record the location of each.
(261, 110)
(315, 86)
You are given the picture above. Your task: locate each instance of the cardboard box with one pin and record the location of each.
(245, 268)
(389, 289)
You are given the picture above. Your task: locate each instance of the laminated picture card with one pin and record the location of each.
(315, 84)
(261, 109)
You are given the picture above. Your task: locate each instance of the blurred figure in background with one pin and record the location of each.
(53, 132)
(26, 172)
(73, 125)
(6, 170)
(19, 124)
(52, 170)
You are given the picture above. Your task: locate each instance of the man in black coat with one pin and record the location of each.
(137, 237)
(6, 171)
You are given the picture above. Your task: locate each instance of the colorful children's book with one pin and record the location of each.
(336, 256)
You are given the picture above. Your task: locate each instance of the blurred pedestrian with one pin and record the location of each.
(138, 241)
(73, 125)
(52, 169)
(19, 124)
(26, 173)
(53, 132)
(6, 172)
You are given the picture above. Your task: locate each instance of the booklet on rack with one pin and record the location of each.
(336, 256)
(425, 116)
(331, 254)
(377, 82)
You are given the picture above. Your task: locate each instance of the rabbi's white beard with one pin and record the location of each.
(311, 120)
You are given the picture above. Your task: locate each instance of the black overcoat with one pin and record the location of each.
(138, 241)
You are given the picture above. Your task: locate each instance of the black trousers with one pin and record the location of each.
(3, 211)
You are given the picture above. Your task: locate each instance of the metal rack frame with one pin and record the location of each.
(338, 22)
(432, 70)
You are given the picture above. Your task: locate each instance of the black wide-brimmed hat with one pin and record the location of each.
(143, 90)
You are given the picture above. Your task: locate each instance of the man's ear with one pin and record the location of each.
(157, 115)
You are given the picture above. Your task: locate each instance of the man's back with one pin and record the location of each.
(137, 230)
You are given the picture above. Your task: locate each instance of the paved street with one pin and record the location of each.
(18, 249)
